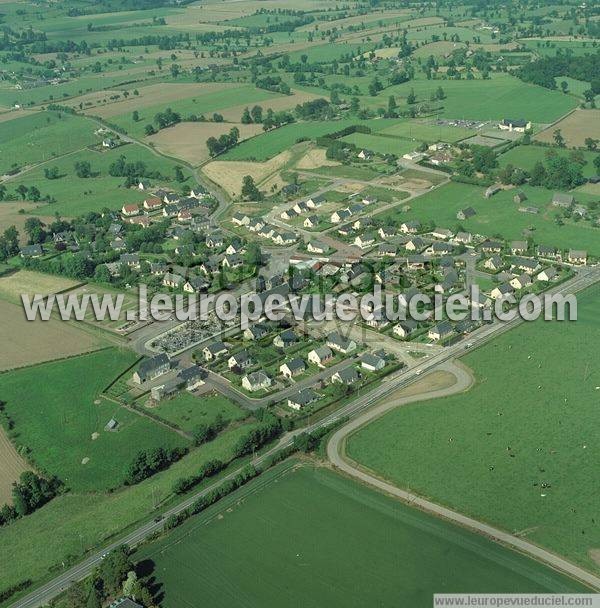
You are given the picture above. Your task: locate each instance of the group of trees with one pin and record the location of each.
(224, 142)
(250, 190)
(30, 493)
(148, 462)
(132, 171)
(270, 427)
(273, 83)
(255, 115)
(162, 120)
(208, 469)
(9, 243)
(559, 172)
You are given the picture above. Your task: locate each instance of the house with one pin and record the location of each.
(440, 331)
(129, 210)
(577, 256)
(111, 143)
(439, 248)
(158, 268)
(369, 200)
(544, 251)
(339, 343)
(170, 211)
(184, 216)
(214, 241)
(240, 360)
(415, 244)
(240, 219)
(494, 189)
(149, 369)
(405, 298)
(288, 214)
(198, 192)
(341, 215)
(415, 156)
(364, 241)
(519, 197)
(364, 155)
(187, 249)
(31, 251)
(317, 247)
(191, 377)
(142, 221)
(372, 363)
(563, 200)
(375, 317)
(491, 246)
(550, 274)
(527, 265)
(256, 224)
(387, 250)
(320, 356)
(463, 237)
(171, 198)
(125, 602)
(480, 301)
(285, 339)
(312, 221)
(501, 291)
(168, 389)
(466, 213)
(152, 204)
(362, 222)
(292, 368)
(173, 280)
(196, 284)
(256, 381)
(405, 328)
(348, 375)
(255, 332)
(314, 202)
(521, 282)
(144, 184)
(283, 238)
(494, 263)
(519, 125)
(232, 261)
(346, 230)
(411, 227)
(300, 207)
(234, 247)
(416, 262)
(130, 259)
(302, 398)
(518, 247)
(290, 190)
(442, 233)
(214, 350)
(387, 232)
(448, 283)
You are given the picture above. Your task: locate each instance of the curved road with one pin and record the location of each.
(336, 454)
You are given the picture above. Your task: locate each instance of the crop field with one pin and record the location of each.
(188, 140)
(57, 417)
(188, 411)
(500, 97)
(499, 446)
(525, 157)
(500, 215)
(76, 196)
(41, 137)
(11, 467)
(575, 128)
(438, 49)
(28, 343)
(427, 131)
(292, 517)
(33, 283)
(74, 522)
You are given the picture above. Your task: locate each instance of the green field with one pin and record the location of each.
(427, 131)
(187, 411)
(530, 419)
(381, 145)
(40, 137)
(77, 196)
(525, 157)
(500, 97)
(499, 215)
(54, 414)
(301, 522)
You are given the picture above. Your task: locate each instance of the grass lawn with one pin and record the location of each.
(188, 411)
(40, 137)
(427, 131)
(499, 215)
(487, 452)
(76, 196)
(298, 525)
(54, 414)
(525, 157)
(381, 145)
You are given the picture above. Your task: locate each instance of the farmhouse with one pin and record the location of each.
(576, 256)
(149, 369)
(256, 381)
(292, 368)
(339, 343)
(440, 331)
(347, 375)
(563, 200)
(320, 356)
(214, 351)
(31, 251)
(466, 213)
(302, 398)
(519, 125)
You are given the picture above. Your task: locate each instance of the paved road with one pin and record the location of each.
(362, 403)
(336, 454)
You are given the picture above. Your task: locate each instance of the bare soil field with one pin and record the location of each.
(229, 174)
(574, 128)
(12, 114)
(285, 102)
(92, 100)
(188, 140)
(27, 281)
(431, 382)
(358, 19)
(156, 94)
(10, 216)
(314, 159)
(29, 342)
(11, 467)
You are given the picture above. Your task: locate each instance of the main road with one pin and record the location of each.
(45, 593)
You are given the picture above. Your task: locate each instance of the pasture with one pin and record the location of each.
(30, 342)
(188, 140)
(575, 128)
(11, 467)
(427, 130)
(57, 417)
(297, 519)
(381, 145)
(499, 215)
(520, 456)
